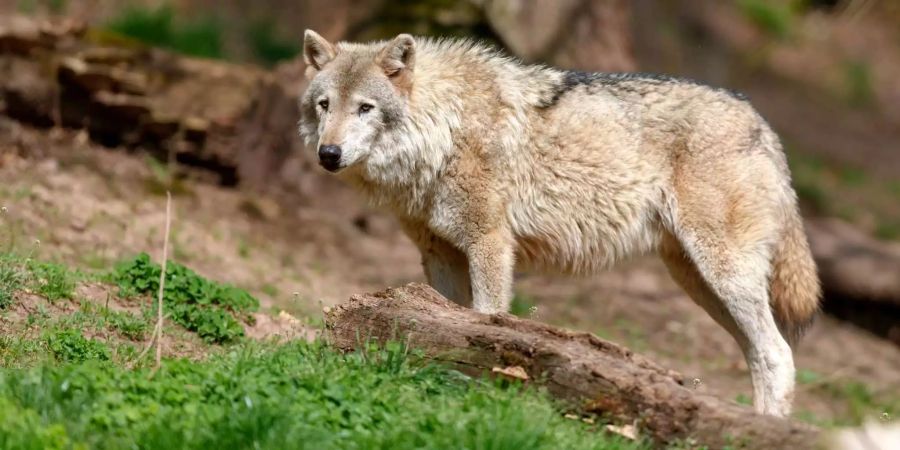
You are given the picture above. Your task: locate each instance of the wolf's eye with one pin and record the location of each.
(324, 104)
(365, 107)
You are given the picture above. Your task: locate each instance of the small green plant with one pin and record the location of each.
(806, 376)
(57, 6)
(131, 326)
(69, 345)
(208, 308)
(774, 17)
(743, 399)
(853, 176)
(26, 6)
(243, 249)
(269, 290)
(522, 305)
(159, 27)
(888, 231)
(635, 336)
(19, 351)
(267, 46)
(861, 401)
(859, 89)
(163, 179)
(52, 281)
(12, 278)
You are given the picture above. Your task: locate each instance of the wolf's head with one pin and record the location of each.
(356, 94)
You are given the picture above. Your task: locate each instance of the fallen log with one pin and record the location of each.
(590, 374)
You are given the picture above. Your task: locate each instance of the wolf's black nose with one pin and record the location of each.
(330, 157)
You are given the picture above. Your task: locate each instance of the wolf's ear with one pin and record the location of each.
(316, 50)
(398, 58)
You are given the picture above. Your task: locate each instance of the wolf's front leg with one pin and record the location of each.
(446, 267)
(447, 271)
(491, 262)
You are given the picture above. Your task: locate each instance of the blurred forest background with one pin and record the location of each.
(118, 122)
(826, 73)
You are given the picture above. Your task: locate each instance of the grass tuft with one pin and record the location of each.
(159, 27)
(522, 306)
(774, 17)
(267, 46)
(69, 345)
(12, 279)
(52, 281)
(131, 326)
(210, 309)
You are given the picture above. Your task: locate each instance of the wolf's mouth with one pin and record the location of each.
(331, 166)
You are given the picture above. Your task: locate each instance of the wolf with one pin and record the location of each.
(489, 163)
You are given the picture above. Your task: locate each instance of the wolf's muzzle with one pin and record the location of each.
(330, 157)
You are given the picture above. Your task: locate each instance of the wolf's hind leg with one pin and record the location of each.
(732, 286)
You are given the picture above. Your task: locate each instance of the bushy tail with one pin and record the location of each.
(794, 289)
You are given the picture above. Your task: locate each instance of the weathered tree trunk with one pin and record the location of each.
(574, 34)
(594, 375)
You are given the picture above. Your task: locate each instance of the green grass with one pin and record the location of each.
(159, 27)
(270, 290)
(296, 395)
(861, 402)
(855, 398)
(49, 280)
(163, 179)
(129, 325)
(210, 309)
(21, 351)
(52, 281)
(806, 376)
(12, 278)
(522, 306)
(889, 231)
(772, 16)
(31, 6)
(848, 192)
(267, 46)
(70, 345)
(859, 85)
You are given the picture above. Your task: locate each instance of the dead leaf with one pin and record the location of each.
(626, 431)
(511, 372)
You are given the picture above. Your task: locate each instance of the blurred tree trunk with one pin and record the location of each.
(860, 276)
(593, 35)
